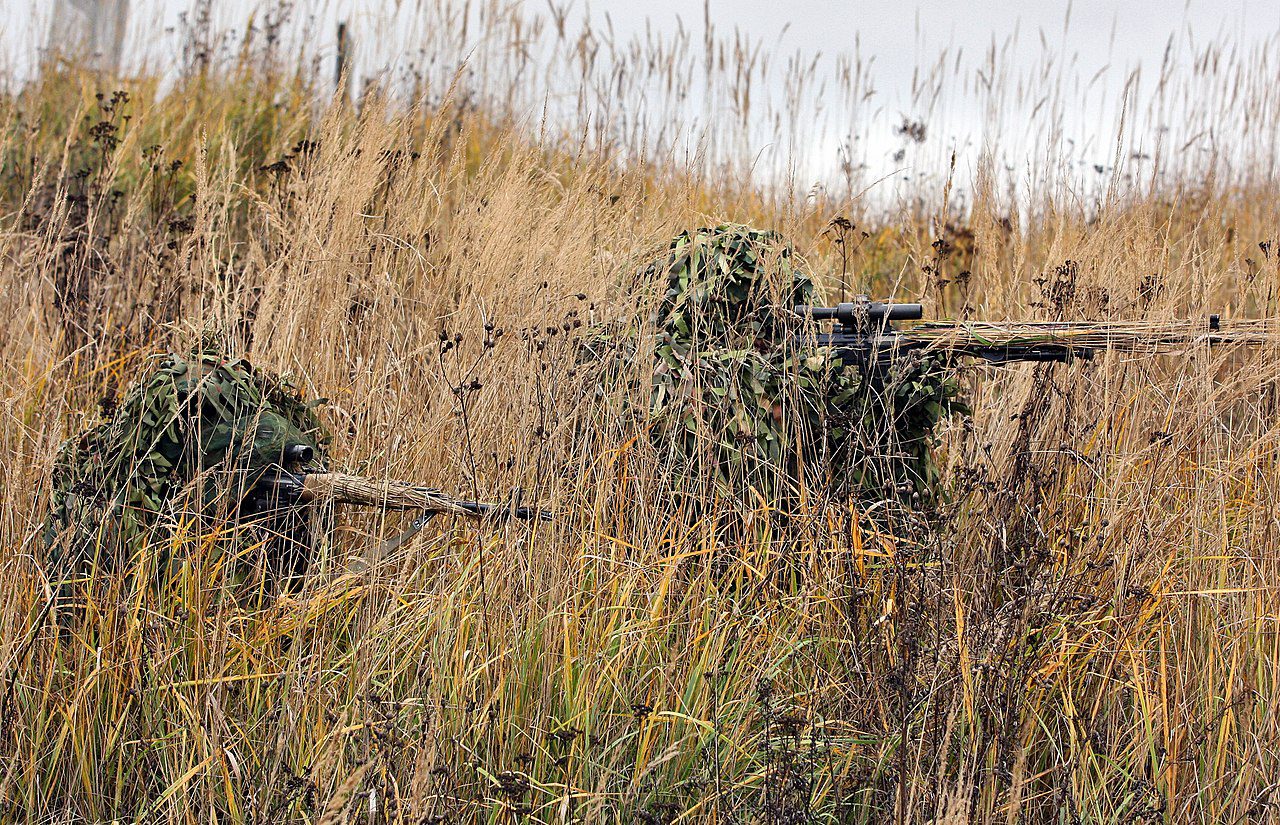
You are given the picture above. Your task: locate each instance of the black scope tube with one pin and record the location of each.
(875, 312)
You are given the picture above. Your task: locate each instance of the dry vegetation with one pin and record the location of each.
(1088, 633)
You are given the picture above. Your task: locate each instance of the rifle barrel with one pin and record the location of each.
(1137, 336)
(1000, 343)
(397, 495)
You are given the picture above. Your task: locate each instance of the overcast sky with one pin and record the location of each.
(1089, 36)
(1138, 27)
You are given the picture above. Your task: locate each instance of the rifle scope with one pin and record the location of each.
(863, 312)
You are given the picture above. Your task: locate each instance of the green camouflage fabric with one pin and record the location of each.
(727, 287)
(190, 437)
(737, 397)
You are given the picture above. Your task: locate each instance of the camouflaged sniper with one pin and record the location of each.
(208, 438)
(738, 399)
(191, 436)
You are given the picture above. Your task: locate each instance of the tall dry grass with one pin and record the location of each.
(1085, 634)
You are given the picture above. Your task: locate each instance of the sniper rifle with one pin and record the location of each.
(863, 333)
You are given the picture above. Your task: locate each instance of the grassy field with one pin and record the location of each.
(1087, 631)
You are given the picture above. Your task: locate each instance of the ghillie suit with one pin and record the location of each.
(180, 456)
(741, 407)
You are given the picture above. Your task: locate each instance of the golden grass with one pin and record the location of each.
(1088, 633)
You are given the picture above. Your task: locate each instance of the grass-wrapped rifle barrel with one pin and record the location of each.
(286, 488)
(863, 334)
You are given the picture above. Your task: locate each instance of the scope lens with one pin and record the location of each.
(905, 312)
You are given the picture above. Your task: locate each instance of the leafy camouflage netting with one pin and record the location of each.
(192, 436)
(738, 398)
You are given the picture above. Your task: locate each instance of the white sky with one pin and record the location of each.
(1086, 36)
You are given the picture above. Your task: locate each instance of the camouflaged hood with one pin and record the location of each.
(195, 430)
(728, 287)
